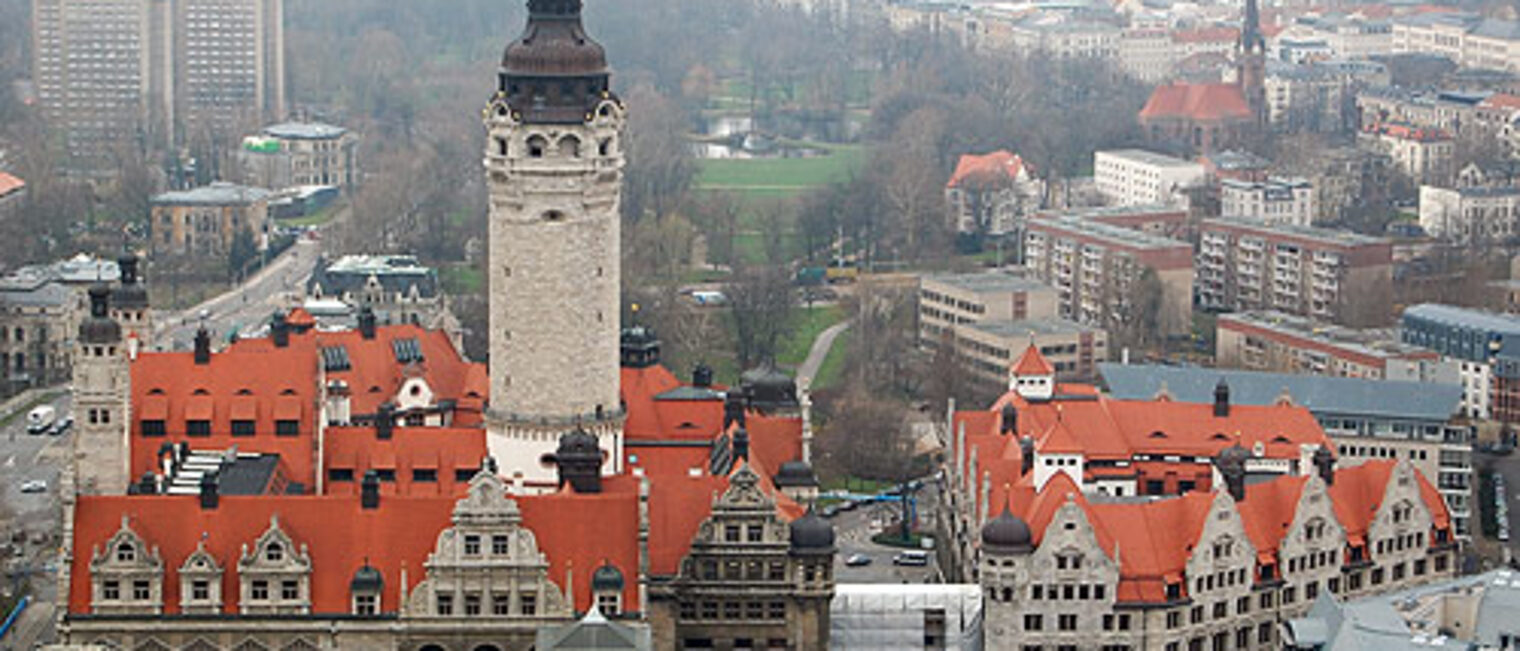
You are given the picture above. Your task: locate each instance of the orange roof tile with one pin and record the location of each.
(1033, 363)
(445, 451)
(1203, 102)
(1060, 440)
(1207, 35)
(9, 184)
(996, 169)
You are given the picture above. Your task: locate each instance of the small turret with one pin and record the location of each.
(100, 328)
(1324, 463)
(1222, 399)
(367, 322)
(202, 347)
(1232, 466)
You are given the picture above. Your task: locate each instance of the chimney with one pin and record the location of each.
(369, 490)
(1324, 462)
(702, 376)
(367, 322)
(385, 421)
(733, 409)
(1232, 467)
(1026, 453)
(279, 330)
(210, 494)
(202, 347)
(1010, 420)
(741, 444)
(1222, 399)
(148, 485)
(128, 266)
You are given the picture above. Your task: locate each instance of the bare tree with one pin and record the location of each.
(760, 305)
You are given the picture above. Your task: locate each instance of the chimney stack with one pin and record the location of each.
(733, 409)
(202, 347)
(1222, 399)
(367, 322)
(1324, 462)
(385, 421)
(741, 444)
(1010, 420)
(279, 330)
(702, 376)
(210, 492)
(1026, 454)
(369, 490)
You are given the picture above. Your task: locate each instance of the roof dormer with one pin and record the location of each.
(1032, 376)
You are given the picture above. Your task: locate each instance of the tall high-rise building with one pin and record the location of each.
(554, 166)
(119, 75)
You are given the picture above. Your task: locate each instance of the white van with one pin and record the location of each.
(40, 419)
(911, 557)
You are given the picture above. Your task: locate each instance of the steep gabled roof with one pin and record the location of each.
(9, 184)
(1201, 102)
(1033, 363)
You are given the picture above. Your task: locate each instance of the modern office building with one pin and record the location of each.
(1132, 177)
(1323, 274)
(1476, 341)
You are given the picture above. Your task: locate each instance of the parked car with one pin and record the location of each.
(830, 511)
(34, 486)
(857, 560)
(64, 424)
(913, 558)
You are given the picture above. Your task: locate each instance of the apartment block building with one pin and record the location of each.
(1323, 274)
(1284, 343)
(1485, 347)
(990, 318)
(1097, 270)
(113, 75)
(1132, 177)
(1475, 215)
(1468, 39)
(1275, 201)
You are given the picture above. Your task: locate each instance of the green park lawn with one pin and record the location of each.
(779, 177)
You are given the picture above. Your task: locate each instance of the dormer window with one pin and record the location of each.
(126, 553)
(274, 553)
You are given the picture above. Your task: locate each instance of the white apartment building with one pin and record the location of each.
(1468, 39)
(1470, 215)
(1274, 201)
(1132, 177)
(1061, 37)
(1426, 155)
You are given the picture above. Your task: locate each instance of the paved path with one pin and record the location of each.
(820, 351)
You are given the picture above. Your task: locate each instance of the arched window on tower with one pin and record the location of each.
(570, 147)
(501, 147)
(536, 146)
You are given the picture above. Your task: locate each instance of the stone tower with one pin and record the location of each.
(1251, 71)
(102, 382)
(554, 165)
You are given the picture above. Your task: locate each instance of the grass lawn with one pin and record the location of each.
(462, 278)
(807, 324)
(750, 247)
(779, 177)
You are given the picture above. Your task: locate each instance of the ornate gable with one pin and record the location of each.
(274, 552)
(126, 576)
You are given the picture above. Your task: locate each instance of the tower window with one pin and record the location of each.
(605, 146)
(570, 147)
(554, 216)
(501, 147)
(536, 146)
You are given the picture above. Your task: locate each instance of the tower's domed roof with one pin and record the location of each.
(554, 44)
(607, 577)
(811, 533)
(1007, 533)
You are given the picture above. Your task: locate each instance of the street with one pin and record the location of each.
(31, 521)
(247, 306)
(852, 535)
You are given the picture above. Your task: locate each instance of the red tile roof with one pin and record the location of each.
(444, 451)
(1033, 363)
(996, 169)
(576, 532)
(1201, 102)
(9, 184)
(1502, 101)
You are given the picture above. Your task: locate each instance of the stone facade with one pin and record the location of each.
(749, 581)
(554, 237)
(102, 382)
(1067, 592)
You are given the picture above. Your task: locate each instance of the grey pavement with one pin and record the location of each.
(852, 535)
(820, 351)
(246, 306)
(36, 516)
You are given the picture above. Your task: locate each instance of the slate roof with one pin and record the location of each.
(1320, 394)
